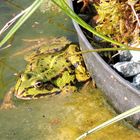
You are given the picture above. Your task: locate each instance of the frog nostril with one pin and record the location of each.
(18, 74)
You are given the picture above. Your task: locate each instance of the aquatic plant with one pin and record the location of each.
(24, 15)
(117, 20)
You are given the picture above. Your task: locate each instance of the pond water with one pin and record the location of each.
(61, 117)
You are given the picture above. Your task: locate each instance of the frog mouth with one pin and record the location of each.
(27, 96)
(40, 95)
(45, 94)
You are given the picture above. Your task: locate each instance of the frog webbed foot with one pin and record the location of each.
(7, 101)
(7, 106)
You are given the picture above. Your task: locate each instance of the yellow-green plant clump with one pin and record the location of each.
(116, 19)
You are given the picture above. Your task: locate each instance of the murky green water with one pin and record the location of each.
(59, 117)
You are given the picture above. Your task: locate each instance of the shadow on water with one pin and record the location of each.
(59, 117)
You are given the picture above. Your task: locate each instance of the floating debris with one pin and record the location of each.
(48, 5)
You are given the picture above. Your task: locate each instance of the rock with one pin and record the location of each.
(128, 68)
(136, 81)
(135, 56)
(125, 56)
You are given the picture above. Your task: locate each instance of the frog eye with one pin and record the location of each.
(38, 84)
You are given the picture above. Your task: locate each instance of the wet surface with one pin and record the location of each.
(59, 117)
(63, 117)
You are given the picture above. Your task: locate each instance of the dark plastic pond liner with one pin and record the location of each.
(119, 92)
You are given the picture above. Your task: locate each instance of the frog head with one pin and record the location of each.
(32, 86)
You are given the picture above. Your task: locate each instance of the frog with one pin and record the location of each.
(51, 71)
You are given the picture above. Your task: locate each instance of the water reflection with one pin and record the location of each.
(36, 28)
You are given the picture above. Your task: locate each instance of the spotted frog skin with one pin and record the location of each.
(51, 71)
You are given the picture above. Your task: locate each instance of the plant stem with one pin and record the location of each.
(64, 6)
(27, 14)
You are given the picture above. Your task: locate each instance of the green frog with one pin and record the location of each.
(51, 71)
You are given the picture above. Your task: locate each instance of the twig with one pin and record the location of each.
(9, 23)
(29, 11)
(132, 3)
(9, 45)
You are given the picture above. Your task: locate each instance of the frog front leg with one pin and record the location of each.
(7, 101)
(67, 90)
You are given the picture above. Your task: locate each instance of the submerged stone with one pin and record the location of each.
(128, 68)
